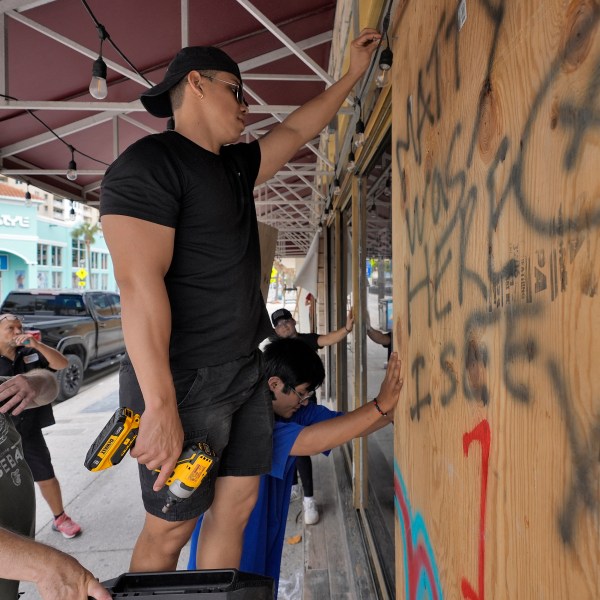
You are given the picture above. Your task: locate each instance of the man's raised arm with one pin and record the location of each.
(284, 140)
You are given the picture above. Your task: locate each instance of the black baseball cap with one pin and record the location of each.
(280, 313)
(193, 58)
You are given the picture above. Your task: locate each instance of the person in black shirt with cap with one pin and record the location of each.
(178, 217)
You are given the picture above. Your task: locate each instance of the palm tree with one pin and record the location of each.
(87, 232)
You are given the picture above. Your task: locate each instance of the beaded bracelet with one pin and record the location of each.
(376, 404)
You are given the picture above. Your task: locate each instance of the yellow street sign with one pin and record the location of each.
(82, 273)
(81, 283)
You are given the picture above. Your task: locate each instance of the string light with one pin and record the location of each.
(385, 65)
(337, 190)
(72, 168)
(351, 164)
(359, 138)
(98, 88)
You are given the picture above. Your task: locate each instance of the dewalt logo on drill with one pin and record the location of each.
(114, 440)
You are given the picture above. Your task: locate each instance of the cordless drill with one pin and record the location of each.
(119, 435)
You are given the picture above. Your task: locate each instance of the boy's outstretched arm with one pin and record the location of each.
(362, 421)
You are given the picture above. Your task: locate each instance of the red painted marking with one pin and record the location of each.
(482, 434)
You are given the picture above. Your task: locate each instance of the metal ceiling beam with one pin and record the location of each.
(282, 37)
(21, 5)
(269, 57)
(93, 54)
(18, 172)
(62, 132)
(134, 106)
(185, 23)
(279, 77)
(3, 55)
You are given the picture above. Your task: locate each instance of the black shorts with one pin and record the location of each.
(35, 451)
(229, 407)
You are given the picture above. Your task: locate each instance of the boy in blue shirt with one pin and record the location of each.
(293, 373)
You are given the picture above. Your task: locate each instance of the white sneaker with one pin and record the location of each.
(311, 514)
(296, 493)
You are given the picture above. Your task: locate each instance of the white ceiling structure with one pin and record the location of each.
(287, 51)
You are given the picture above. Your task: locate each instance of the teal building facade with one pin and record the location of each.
(40, 252)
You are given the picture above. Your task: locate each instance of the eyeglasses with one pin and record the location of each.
(236, 88)
(9, 317)
(305, 398)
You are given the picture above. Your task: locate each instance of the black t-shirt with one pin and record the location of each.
(27, 359)
(311, 339)
(213, 283)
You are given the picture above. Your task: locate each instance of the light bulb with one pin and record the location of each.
(385, 65)
(98, 87)
(383, 79)
(387, 191)
(351, 163)
(337, 190)
(359, 138)
(72, 171)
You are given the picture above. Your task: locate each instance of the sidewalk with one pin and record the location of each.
(107, 504)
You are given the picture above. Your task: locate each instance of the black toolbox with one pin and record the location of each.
(225, 584)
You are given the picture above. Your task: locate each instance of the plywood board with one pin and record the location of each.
(496, 245)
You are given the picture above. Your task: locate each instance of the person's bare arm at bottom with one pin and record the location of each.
(57, 575)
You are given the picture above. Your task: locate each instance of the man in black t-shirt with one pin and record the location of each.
(179, 219)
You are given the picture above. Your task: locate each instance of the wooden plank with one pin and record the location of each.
(332, 553)
(496, 244)
(362, 580)
(268, 243)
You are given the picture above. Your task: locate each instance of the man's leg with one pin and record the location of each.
(50, 489)
(222, 533)
(159, 544)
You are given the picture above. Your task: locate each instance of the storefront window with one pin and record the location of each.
(57, 280)
(56, 256)
(379, 340)
(78, 254)
(42, 254)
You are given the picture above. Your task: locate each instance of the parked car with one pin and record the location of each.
(84, 325)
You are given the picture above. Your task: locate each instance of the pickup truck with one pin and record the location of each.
(84, 325)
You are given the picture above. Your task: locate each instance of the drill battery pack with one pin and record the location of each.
(114, 440)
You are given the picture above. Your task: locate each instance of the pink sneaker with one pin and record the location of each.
(65, 525)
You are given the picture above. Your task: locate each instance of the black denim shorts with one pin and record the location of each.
(35, 451)
(229, 407)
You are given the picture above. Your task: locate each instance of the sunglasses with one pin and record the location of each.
(236, 88)
(9, 317)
